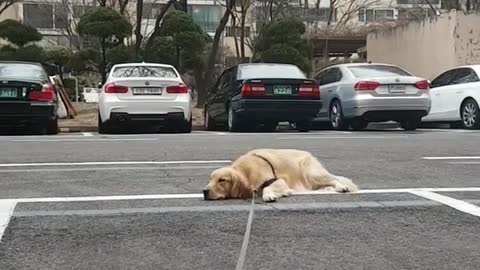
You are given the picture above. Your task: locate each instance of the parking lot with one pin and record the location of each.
(90, 201)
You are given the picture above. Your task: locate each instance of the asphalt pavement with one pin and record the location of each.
(90, 201)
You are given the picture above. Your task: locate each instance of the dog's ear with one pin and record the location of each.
(240, 188)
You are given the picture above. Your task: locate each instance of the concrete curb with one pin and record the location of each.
(71, 129)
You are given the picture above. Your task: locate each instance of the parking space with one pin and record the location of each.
(132, 202)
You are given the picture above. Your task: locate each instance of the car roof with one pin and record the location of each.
(143, 64)
(20, 62)
(264, 64)
(358, 64)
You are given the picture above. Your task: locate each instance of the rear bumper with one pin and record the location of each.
(110, 105)
(163, 119)
(277, 110)
(26, 113)
(384, 109)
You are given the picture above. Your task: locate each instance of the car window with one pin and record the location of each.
(269, 71)
(330, 76)
(444, 78)
(144, 71)
(464, 75)
(18, 70)
(366, 71)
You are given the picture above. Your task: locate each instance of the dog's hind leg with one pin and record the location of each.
(276, 190)
(318, 177)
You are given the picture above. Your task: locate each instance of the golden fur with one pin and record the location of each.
(296, 170)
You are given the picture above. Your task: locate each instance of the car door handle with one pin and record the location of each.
(329, 91)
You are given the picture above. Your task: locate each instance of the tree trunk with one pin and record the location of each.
(242, 33)
(138, 29)
(212, 57)
(103, 64)
(234, 25)
(158, 20)
(199, 84)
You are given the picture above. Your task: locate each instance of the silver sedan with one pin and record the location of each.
(356, 94)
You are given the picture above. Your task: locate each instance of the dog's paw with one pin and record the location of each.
(339, 187)
(269, 197)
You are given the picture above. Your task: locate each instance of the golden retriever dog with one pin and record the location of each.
(274, 173)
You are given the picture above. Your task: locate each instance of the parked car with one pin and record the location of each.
(455, 97)
(27, 97)
(248, 95)
(357, 94)
(139, 93)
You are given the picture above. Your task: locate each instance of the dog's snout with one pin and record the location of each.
(205, 194)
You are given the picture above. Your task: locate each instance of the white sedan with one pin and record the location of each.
(455, 97)
(138, 93)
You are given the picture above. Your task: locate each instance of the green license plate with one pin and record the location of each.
(282, 90)
(8, 92)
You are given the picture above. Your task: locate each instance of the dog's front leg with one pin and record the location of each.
(276, 190)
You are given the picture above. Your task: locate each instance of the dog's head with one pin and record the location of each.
(226, 183)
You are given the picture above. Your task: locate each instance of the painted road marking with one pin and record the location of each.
(338, 137)
(6, 211)
(87, 140)
(87, 134)
(449, 201)
(100, 163)
(144, 168)
(199, 195)
(451, 157)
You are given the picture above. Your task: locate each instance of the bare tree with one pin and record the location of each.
(138, 28)
(4, 4)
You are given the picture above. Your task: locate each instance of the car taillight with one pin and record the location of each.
(112, 88)
(253, 90)
(422, 85)
(177, 89)
(366, 85)
(309, 90)
(46, 94)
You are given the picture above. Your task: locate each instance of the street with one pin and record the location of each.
(90, 201)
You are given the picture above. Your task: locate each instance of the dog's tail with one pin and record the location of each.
(348, 183)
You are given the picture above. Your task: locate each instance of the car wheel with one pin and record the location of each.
(337, 121)
(185, 126)
(233, 123)
(208, 122)
(410, 124)
(52, 127)
(103, 128)
(304, 125)
(358, 124)
(470, 114)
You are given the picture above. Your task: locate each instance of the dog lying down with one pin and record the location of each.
(275, 173)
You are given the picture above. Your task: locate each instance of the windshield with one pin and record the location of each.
(144, 71)
(377, 71)
(27, 71)
(270, 71)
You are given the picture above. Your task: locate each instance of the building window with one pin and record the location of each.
(232, 31)
(206, 16)
(48, 16)
(151, 10)
(415, 13)
(375, 15)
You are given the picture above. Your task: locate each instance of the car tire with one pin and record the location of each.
(52, 127)
(103, 128)
(337, 120)
(304, 125)
(470, 114)
(185, 126)
(208, 122)
(410, 124)
(358, 124)
(233, 122)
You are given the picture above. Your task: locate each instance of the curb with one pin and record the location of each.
(95, 129)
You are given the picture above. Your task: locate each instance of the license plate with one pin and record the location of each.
(8, 92)
(397, 88)
(282, 90)
(147, 91)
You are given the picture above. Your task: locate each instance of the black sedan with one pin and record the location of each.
(247, 96)
(27, 98)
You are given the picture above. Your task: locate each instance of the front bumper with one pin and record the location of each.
(277, 110)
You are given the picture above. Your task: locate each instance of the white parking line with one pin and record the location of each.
(338, 137)
(99, 163)
(123, 168)
(87, 134)
(452, 202)
(451, 157)
(87, 140)
(6, 211)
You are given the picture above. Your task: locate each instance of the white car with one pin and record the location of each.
(138, 93)
(455, 97)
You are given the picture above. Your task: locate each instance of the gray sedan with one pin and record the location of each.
(356, 94)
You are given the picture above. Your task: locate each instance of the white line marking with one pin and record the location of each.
(246, 238)
(199, 195)
(87, 134)
(6, 211)
(149, 168)
(451, 157)
(338, 137)
(88, 140)
(449, 201)
(98, 163)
